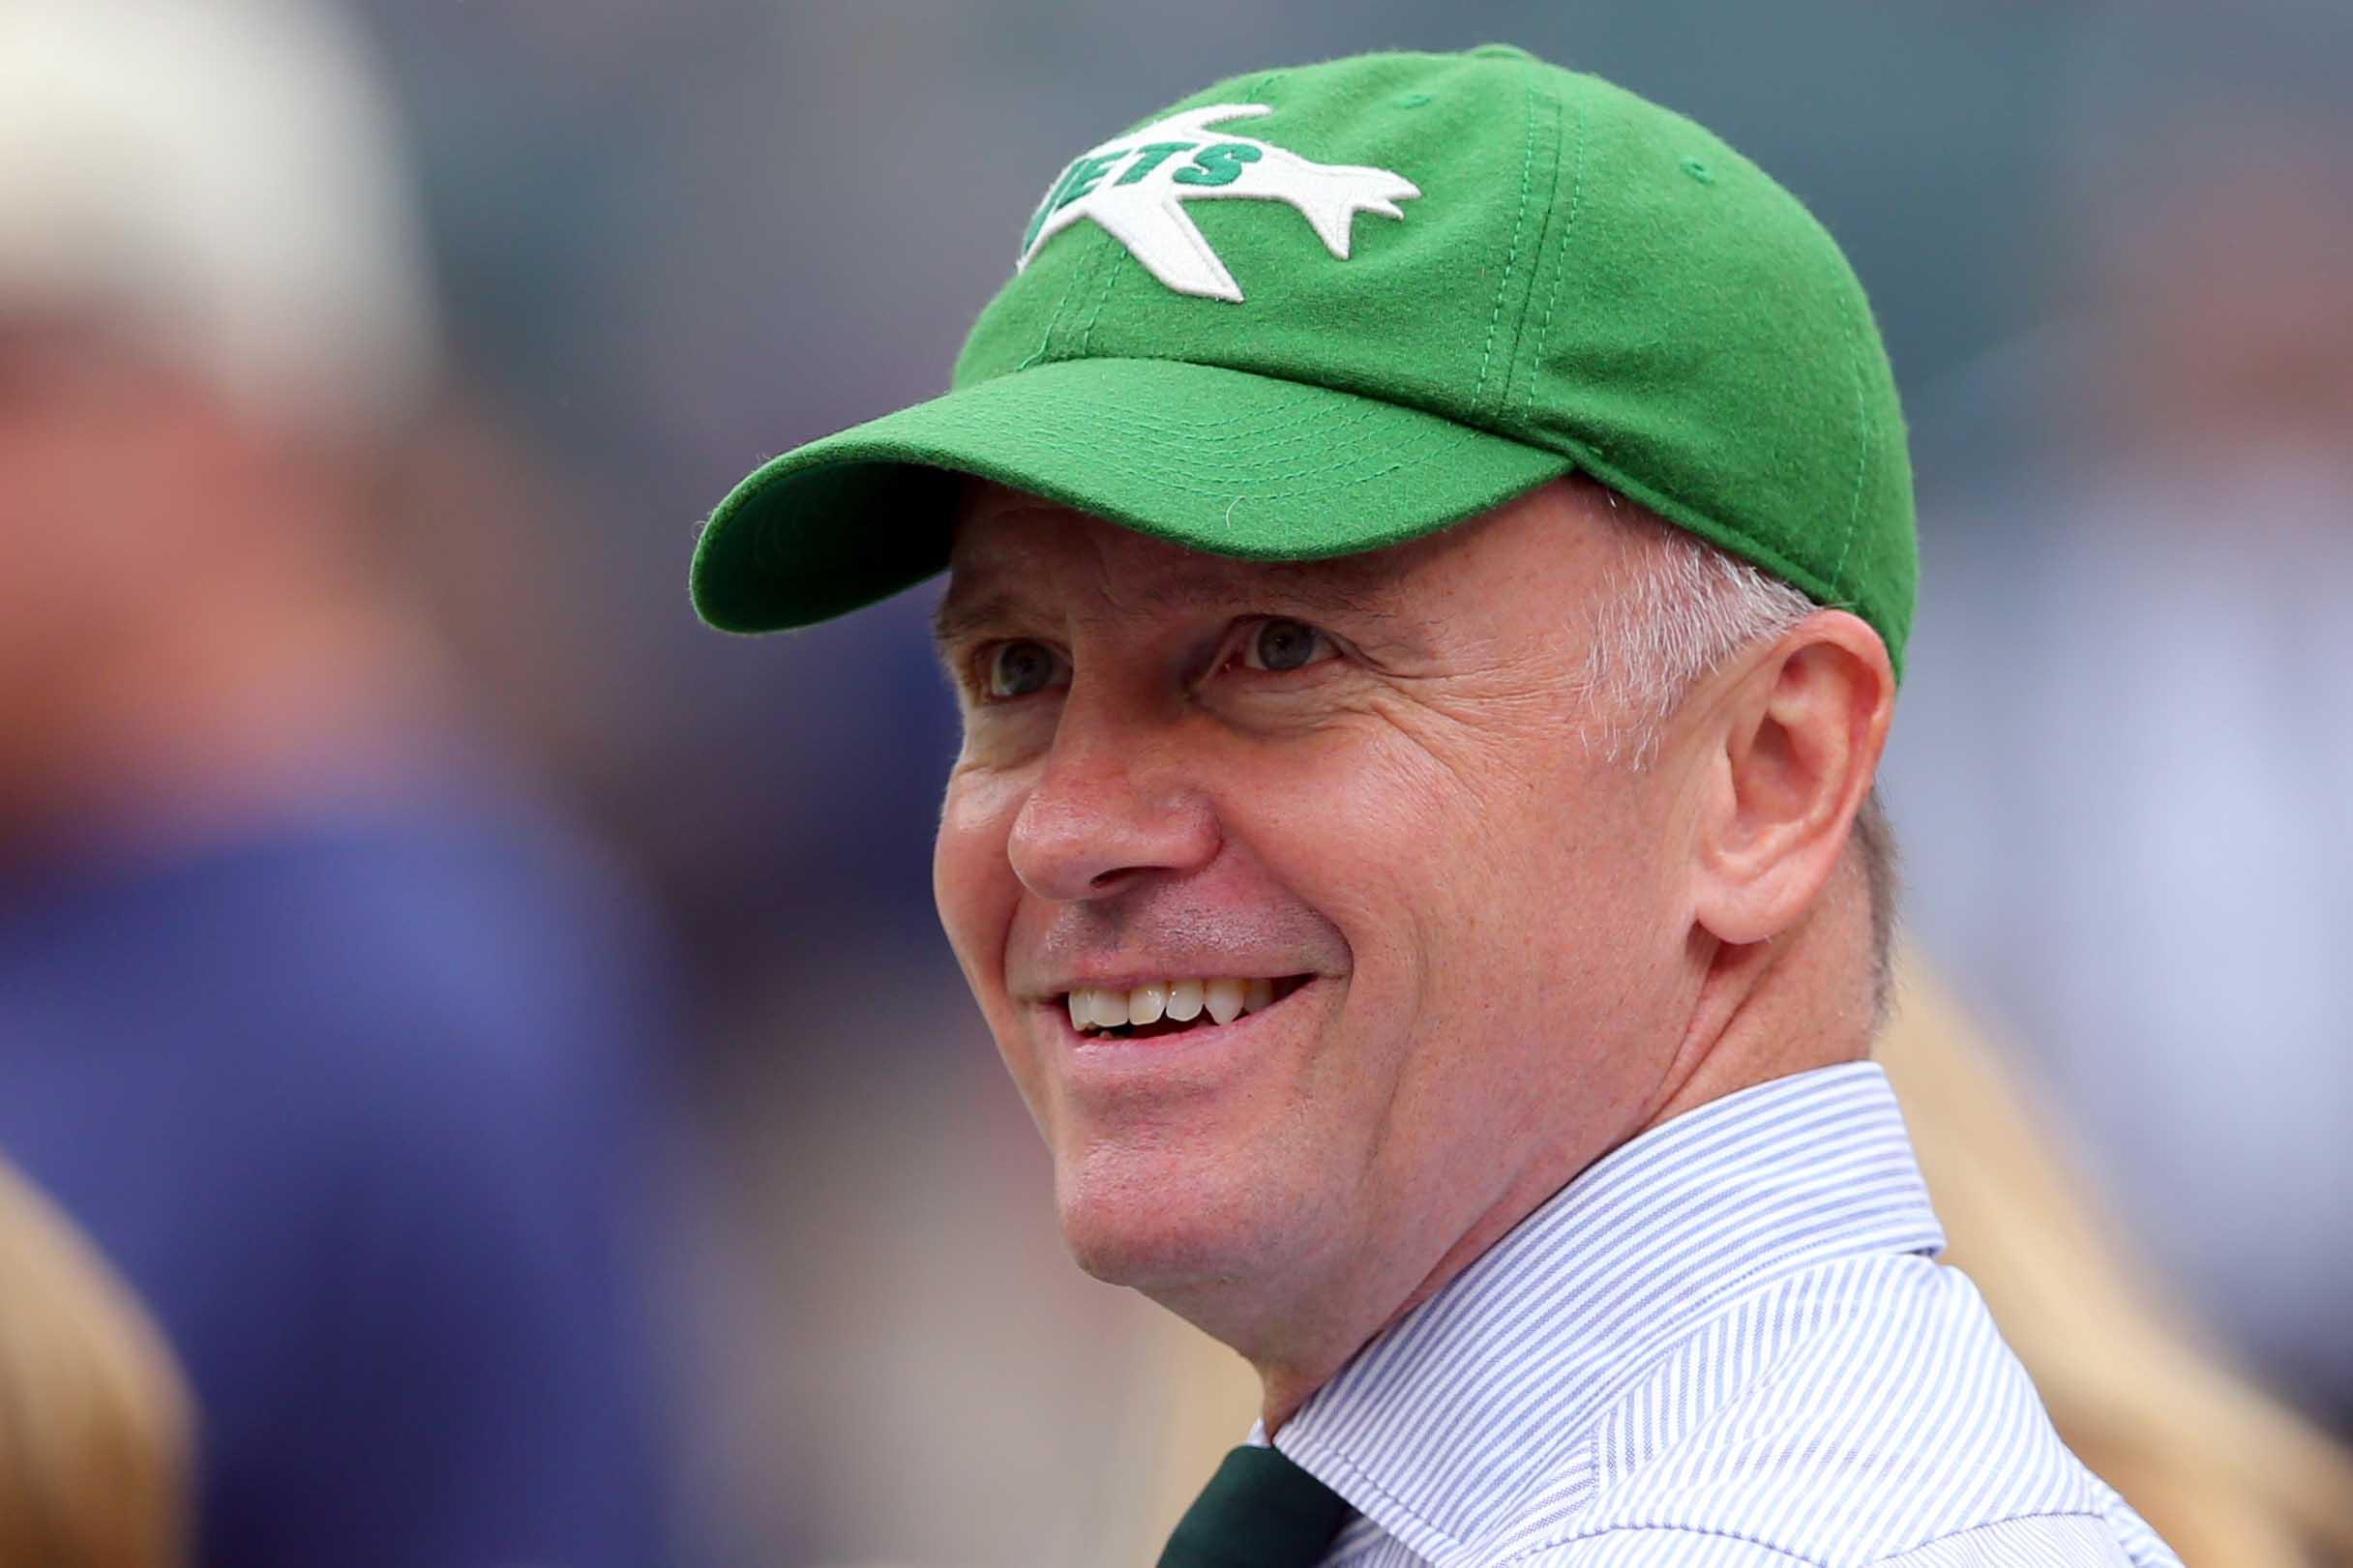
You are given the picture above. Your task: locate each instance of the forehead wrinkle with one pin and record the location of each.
(1130, 577)
(1205, 587)
(1019, 558)
(1356, 583)
(1296, 583)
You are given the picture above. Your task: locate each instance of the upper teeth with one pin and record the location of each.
(1184, 1000)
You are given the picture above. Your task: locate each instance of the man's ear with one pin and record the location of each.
(1792, 747)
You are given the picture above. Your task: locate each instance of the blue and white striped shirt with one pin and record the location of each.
(1725, 1344)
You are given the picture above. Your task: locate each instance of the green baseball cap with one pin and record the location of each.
(1319, 311)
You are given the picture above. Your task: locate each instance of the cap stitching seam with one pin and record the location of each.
(1158, 468)
(1086, 334)
(1560, 271)
(1225, 461)
(1330, 412)
(1544, 240)
(1862, 458)
(1079, 270)
(1244, 419)
(1511, 254)
(1141, 421)
(1428, 447)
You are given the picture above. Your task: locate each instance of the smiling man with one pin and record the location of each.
(1425, 635)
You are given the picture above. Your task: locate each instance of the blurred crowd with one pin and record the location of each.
(486, 1082)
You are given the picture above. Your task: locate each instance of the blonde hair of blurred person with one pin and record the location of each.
(95, 1423)
(2228, 1475)
(214, 322)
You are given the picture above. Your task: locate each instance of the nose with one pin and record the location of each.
(1111, 809)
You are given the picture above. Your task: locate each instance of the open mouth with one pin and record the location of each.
(1149, 1012)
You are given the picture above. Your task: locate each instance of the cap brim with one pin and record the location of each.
(1218, 460)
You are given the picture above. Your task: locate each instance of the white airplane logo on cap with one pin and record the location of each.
(1135, 187)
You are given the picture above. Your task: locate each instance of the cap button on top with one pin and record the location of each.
(1501, 51)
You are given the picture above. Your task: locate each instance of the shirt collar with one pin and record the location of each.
(1438, 1425)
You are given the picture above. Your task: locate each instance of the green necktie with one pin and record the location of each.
(1259, 1511)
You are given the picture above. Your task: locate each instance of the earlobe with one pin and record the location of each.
(1799, 738)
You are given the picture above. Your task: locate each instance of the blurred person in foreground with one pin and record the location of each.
(326, 1031)
(97, 1436)
(1426, 636)
(2130, 787)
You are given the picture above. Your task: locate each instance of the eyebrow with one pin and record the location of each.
(1286, 584)
(955, 620)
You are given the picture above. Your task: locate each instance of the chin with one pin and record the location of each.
(1141, 1224)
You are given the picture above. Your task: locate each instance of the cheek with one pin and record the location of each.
(972, 882)
(1360, 832)
(979, 898)
(1474, 884)
(1385, 839)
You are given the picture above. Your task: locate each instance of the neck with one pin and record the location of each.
(1286, 1384)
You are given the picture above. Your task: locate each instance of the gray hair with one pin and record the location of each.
(1678, 608)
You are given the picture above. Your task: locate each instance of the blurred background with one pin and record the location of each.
(424, 945)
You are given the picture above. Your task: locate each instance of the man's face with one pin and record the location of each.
(95, 500)
(1370, 785)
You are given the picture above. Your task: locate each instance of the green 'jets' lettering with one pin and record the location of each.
(1149, 158)
(1045, 208)
(1084, 173)
(1076, 181)
(1221, 165)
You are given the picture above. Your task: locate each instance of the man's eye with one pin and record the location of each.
(1276, 645)
(1020, 668)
